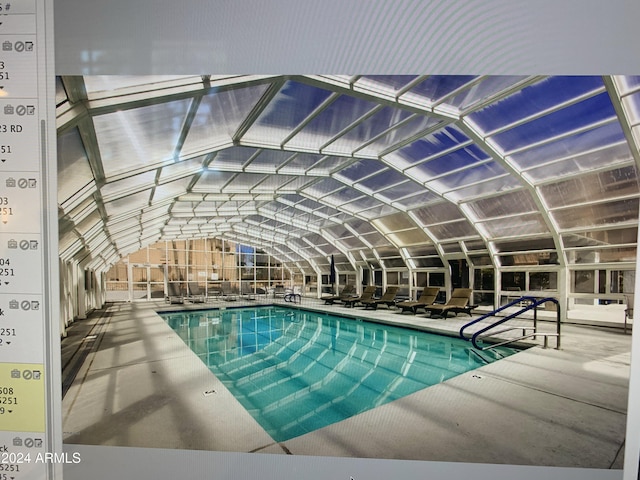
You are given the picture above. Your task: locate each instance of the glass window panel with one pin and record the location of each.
(514, 281)
(543, 281)
(592, 215)
(422, 251)
(398, 135)
(576, 116)
(340, 114)
(483, 279)
(136, 182)
(481, 260)
(533, 99)
(74, 171)
(604, 255)
(131, 139)
(442, 212)
(584, 281)
(523, 225)
(430, 145)
(488, 87)
(453, 230)
(360, 169)
(368, 129)
(630, 82)
(436, 279)
(508, 204)
(597, 238)
(541, 258)
(617, 182)
(293, 103)
(219, 116)
(623, 281)
(502, 184)
(433, 262)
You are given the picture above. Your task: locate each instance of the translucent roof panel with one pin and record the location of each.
(359, 170)
(449, 163)
(105, 83)
(132, 139)
(218, 117)
(594, 187)
(366, 130)
(439, 213)
(397, 135)
(479, 92)
(431, 145)
(573, 146)
(509, 204)
(74, 172)
(533, 100)
(436, 87)
(528, 224)
(373, 161)
(600, 214)
(291, 105)
(386, 83)
(578, 116)
(330, 122)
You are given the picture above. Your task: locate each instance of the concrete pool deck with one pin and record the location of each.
(137, 384)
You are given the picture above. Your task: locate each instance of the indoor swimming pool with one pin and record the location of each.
(296, 370)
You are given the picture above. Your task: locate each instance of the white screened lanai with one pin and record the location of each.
(505, 184)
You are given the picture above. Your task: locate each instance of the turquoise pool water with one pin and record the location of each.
(296, 371)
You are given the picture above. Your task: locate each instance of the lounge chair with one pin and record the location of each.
(196, 295)
(367, 294)
(387, 299)
(426, 299)
(347, 292)
(227, 292)
(246, 291)
(459, 302)
(174, 293)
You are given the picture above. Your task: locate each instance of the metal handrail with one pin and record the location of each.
(534, 303)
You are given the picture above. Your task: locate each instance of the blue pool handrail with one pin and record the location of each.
(534, 302)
